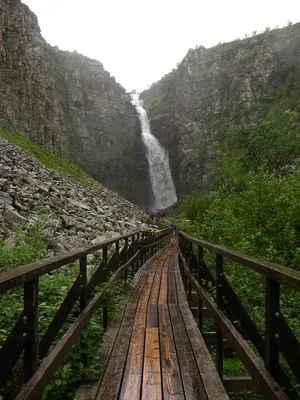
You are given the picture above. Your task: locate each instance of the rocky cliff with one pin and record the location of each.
(213, 89)
(76, 214)
(69, 104)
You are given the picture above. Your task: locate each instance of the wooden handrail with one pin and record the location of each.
(270, 387)
(18, 276)
(25, 333)
(278, 338)
(43, 375)
(284, 275)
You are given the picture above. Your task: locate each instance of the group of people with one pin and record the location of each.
(156, 213)
(160, 213)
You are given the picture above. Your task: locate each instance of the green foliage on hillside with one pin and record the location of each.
(46, 157)
(254, 208)
(28, 245)
(163, 92)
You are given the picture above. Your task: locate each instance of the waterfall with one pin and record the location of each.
(160, 174)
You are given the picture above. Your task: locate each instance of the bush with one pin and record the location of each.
(83, 362)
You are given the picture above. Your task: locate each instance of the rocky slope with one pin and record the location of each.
(213, 89)
(69, 104)
(76, 214)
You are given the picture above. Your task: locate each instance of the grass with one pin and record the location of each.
(46, 157)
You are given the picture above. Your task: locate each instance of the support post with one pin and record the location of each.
(83, 282)
(104, 266)
(190, 254)
(200, 305)
(219, 299)
(31, 328)
(132, 253)
(272, 321)
(126, 257)
(117, 254)
(83, 298)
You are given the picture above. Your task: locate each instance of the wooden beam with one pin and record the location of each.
(286, 276)
(19, 276)
(238, 384)
(269, 388)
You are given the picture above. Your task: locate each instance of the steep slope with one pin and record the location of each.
(69, 104)
(76, 214)
(224, 86)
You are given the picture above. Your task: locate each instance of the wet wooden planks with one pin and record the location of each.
(152, 357)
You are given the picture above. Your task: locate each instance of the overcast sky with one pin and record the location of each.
(139, 41)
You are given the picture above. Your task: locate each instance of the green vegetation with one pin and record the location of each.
(46, 157)
(28, 246)
(163, 91)
(254, 208)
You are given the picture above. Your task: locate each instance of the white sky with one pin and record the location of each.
(139, 41)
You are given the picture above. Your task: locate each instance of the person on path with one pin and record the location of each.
(173, 228)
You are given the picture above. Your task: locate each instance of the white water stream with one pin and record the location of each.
(160, 174)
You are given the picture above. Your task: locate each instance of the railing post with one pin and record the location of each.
(31, 328)
(137, 248)
(272, 321)
(190, 265)
(132, 253)
(219, 299)
(126, 257)
(200, 305)
(141, 244)
(105, 311)
(83, 297)
(117, 254)
(83, 282)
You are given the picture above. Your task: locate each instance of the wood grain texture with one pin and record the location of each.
(155, 355)
(152, 388)
(171, 378)
(132, 379)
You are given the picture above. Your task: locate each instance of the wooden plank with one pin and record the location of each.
(135, 295)
(210, 378)
(151, 388)
(132, 378)
(239, 384)
(171, 379)
(286, 276)
(163, 294)
(268, 386)
(172, 293)
(136, 317)
(89, 390)
(152, 317)
(34, 387)
(192, 383)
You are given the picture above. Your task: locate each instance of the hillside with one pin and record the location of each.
(214, 89)
(76, 213)
(70, 105)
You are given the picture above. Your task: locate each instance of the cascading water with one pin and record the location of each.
(160, 174)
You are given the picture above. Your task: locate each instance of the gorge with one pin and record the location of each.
(71, 105)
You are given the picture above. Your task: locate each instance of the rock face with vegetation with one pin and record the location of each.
(214, 89)
(76, 214)
(69, 104)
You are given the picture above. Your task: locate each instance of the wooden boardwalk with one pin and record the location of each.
(158, 351)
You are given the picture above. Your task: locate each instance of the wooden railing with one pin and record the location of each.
(126, 254)
(229, 312)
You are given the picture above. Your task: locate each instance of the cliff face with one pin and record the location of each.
(213, 89)
(69, 104)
